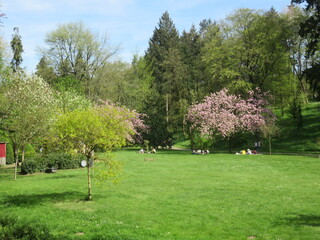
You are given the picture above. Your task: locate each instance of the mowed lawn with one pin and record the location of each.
(176, 195)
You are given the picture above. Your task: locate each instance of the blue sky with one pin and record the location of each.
(128, 23)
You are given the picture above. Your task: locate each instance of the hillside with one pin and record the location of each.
(304, 140)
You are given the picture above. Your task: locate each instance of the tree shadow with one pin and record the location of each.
(303, 220)
(28, 200)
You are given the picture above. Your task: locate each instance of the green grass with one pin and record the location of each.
(176, 195)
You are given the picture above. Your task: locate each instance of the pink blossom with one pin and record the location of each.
(224, 114)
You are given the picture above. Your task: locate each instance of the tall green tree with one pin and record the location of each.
(164, 37)
(17, 49)
(162, 44)
(73, 50)
(310, 32)
(248, 51)
(310, 27)
(194, 78)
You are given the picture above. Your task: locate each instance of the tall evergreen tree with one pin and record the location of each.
(162, 46)
(17, 49)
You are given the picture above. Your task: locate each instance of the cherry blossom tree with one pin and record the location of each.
(226, 114)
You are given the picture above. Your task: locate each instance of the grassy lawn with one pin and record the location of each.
(176, 195)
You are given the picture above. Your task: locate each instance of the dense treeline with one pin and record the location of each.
(249, 49)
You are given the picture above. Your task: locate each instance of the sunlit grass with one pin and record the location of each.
(177, 195)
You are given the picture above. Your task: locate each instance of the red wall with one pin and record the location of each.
(2, 150)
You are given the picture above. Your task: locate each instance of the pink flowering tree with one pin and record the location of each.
(133, 120)
(225, 114)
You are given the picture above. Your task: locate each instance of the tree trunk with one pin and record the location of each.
(89, 180)
(15, 169)
(16, 159)
(167, 108)
(15, 152)
(269, 145)
(22, 153)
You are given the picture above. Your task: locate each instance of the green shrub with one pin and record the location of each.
(30, 166)
(63, 160)
(9, 153)
(40, 162)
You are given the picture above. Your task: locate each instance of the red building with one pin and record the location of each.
(2, 153)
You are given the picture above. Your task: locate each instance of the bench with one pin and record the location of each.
(51, 170)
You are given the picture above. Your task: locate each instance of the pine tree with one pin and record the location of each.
(17, 49)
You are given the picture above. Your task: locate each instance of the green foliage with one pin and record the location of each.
(9, 158)
(71, 100)
(73, 50)
(28, 109)
(59, 160)
(295, 110)
(248, 51)
(108, 169)
(29, 167)
(17, 49)
(62, 160)
(106, 126)
(96, 127)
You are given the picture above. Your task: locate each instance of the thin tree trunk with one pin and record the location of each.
(16, 159)
(89, 180)
(269, 145)
(22, 153)
(15, 152)
(167, 107)
(15, 169)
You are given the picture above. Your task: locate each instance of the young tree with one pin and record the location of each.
(269, 130)
(106, 126)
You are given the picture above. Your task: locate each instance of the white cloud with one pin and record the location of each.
(28, 5)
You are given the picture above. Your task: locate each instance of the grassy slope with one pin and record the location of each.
(177, 196)
(302, 140)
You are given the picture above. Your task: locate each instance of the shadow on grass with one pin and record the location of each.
(26, 200)
(303, 220)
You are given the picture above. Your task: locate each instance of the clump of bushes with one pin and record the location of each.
(12, 228)
(39, 163)
(30, 166)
